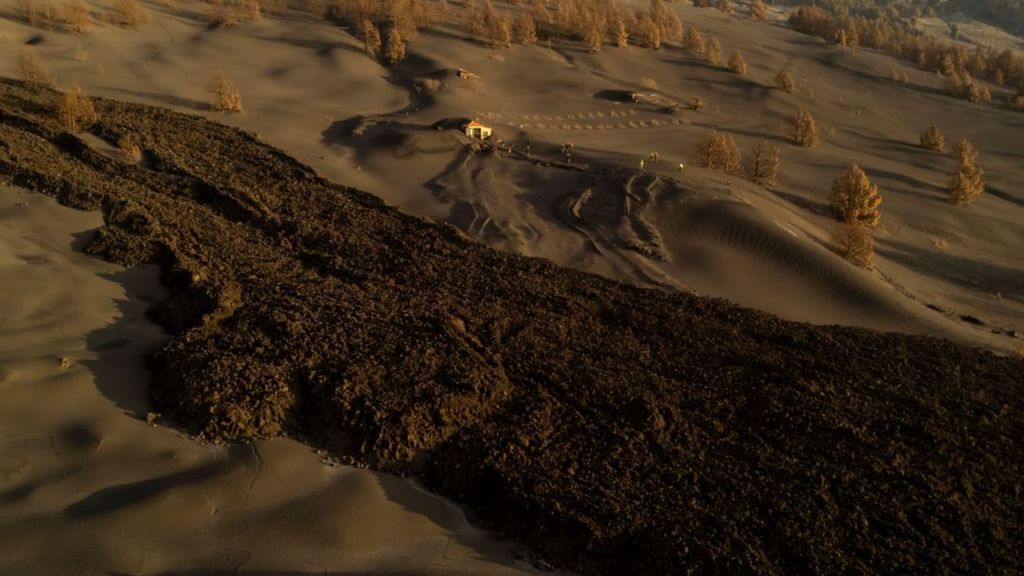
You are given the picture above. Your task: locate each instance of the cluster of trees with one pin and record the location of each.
(968, 181)
(856, 201)
(718, 151)
(75, 16)
(593, 23)
(953, 61)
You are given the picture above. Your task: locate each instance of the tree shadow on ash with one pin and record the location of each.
(164, 99)
(812, 206)
(964, 272)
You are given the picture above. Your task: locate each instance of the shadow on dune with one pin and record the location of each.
(969, 273)
(812, 206)
(121, 496)
(321, 47)
(1004, 195)
(164, 99)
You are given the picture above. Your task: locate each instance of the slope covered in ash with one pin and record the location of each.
(616, 430)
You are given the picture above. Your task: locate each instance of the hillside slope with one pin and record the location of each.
(738, 442)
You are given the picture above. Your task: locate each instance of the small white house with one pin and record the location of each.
(477, 130)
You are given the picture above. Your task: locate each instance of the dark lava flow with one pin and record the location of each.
(613, 429)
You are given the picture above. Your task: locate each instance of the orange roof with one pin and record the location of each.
(474, 123)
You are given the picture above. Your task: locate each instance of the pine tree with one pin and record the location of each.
(803, 129)
(501, 32)
(694, 42)
(737, 64)
(371, 38)
(968, 181)
(714, 53)
(855, 199)
(621, 34)
(764, 164)
(394, 51)
(525, 29)
(725, 6)
(593, 38)
(784, 81)
(646, 32)
(933, 140)
(758, 11)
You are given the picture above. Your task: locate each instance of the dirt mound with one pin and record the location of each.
(617, 430)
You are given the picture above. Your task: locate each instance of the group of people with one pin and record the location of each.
(568, 148)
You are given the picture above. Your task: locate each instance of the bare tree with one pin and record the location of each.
(856, 244)
(763, 166)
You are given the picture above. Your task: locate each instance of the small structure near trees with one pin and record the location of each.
(478, 130)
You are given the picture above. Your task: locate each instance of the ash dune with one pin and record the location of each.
(87, 487)
(306, 84)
